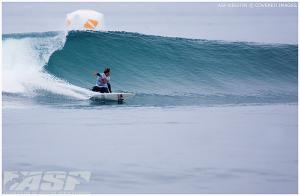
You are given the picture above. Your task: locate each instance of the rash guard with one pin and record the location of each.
(102, 80)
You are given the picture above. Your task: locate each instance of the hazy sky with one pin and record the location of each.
(261, 23)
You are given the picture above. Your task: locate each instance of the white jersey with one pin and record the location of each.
(102, 80)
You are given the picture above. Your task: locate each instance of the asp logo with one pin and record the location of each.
(43, 181)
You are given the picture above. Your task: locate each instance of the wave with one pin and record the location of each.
(158, 69)
(24, 58)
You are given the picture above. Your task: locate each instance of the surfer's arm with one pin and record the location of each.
(96, 74)
(109, 87)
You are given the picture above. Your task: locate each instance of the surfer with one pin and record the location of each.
(102, 82)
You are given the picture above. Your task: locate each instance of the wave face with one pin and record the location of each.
(160, 70)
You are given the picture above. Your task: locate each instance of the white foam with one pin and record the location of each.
(23, 68)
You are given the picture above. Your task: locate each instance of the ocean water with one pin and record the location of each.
(208, 116)
(162, 71)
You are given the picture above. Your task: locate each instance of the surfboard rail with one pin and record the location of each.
(120, 97)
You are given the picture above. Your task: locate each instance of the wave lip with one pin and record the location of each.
(24, 58)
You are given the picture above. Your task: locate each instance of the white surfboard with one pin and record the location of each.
(119, 96)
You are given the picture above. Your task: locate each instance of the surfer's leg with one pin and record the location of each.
(106, 90)
(103, 90)
(96, 89)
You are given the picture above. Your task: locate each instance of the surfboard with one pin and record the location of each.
(119, 96)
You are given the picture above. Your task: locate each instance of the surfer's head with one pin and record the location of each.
(106, 71)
